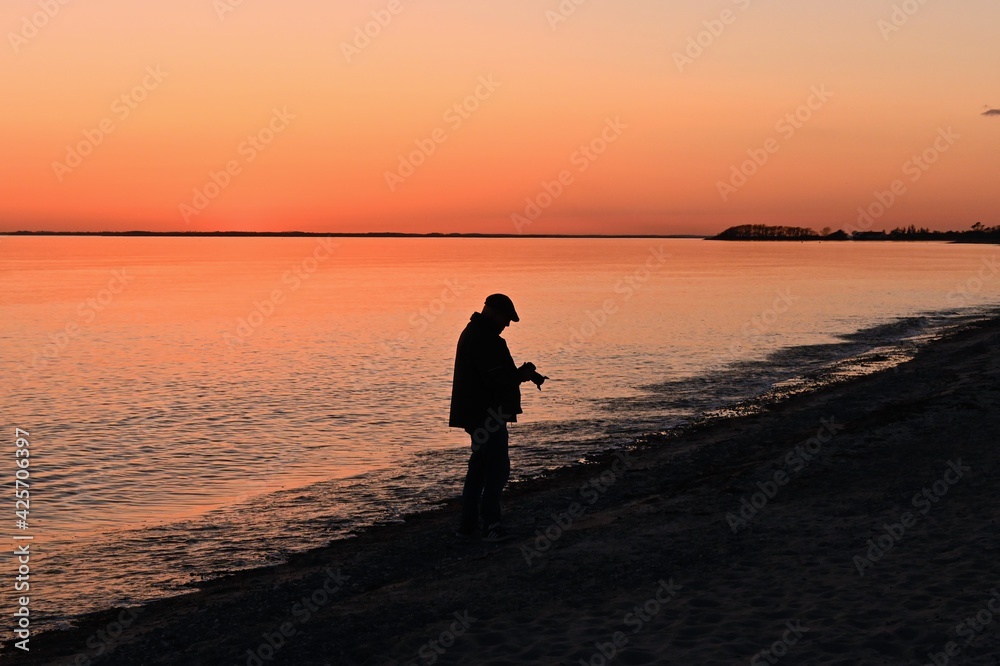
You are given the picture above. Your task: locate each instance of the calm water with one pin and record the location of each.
(200, 405)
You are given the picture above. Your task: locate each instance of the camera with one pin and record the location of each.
(528, 372)
(538, 379)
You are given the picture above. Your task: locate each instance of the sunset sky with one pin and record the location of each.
(633, 116)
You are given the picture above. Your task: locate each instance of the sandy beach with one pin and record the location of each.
(853, 525)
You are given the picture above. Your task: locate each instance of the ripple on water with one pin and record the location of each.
(170, 456)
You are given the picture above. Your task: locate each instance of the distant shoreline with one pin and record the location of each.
(324, 234)
(948, 237)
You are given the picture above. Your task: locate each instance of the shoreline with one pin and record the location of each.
(157, 584)
(841, 363)
(648, 516)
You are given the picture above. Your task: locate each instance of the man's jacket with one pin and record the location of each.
(486, 382)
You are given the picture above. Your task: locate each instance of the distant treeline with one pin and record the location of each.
(766, 232)
(976, 234)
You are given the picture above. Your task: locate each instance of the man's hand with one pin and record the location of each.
(528, 373)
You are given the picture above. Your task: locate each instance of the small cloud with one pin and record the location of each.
(991, 112)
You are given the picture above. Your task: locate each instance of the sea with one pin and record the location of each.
(197, 406)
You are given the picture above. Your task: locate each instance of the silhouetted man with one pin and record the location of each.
(485, 396)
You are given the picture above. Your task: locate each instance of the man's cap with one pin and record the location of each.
(503, 304)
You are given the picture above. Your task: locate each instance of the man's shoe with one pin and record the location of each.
(466, 533)
(495, 533)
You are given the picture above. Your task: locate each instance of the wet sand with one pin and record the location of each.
(856, 524)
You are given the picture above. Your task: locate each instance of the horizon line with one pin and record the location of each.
(340, 234)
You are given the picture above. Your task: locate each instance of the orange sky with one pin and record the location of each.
(312, 124)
